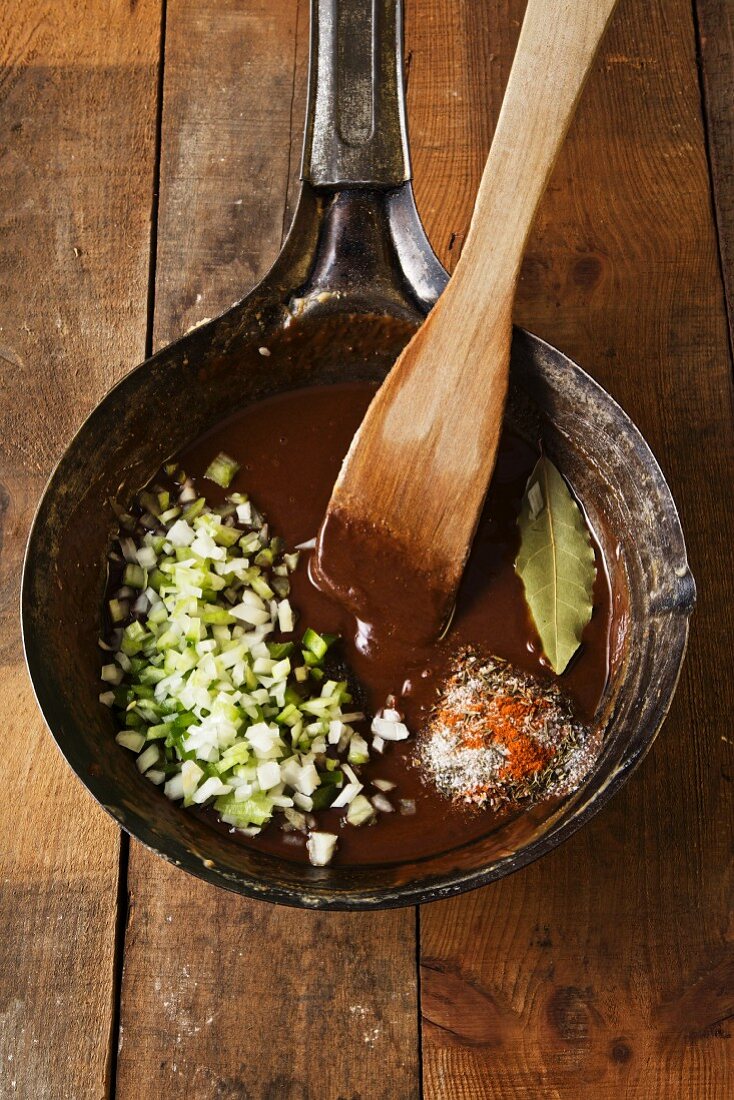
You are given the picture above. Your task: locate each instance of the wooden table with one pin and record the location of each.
(148, 161)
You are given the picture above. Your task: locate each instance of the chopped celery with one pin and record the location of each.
(292, 695)
(332, 777)
(150, 502)
(318, 644)
(215, 708)
(156, 579)
(118, 610)
(255, 810)
(194, 509)
(133, 637)
(359, 752)
(317, 707)
(323, 797)
(157, 733)
(222, 469)
(216, 616)
(226, 536)
(134, 576)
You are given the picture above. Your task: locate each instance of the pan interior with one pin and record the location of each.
(184, 391)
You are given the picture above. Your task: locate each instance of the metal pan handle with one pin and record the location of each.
(355, 123)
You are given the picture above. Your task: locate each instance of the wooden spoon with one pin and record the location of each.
(407, 501)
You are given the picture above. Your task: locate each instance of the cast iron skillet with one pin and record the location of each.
(355, 277)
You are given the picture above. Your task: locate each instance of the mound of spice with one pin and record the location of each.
(498, 736)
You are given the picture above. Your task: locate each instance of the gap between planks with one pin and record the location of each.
(716, 83)
(123, 896)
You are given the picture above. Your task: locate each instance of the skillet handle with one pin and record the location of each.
(355, 123)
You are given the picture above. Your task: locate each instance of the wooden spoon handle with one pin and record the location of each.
(555, 51)
(418, 468)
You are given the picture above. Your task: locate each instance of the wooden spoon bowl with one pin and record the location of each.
(405, 506)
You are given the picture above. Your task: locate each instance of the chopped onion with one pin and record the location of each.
(131, 739)
(210, 788)
(123, 661)
(249, 614)
(191, 773)
(389, 730)
(214, 706)
(148, 758)
(308, 779)
(180, 534)
(141, 605)
(174, 788)
(296, 819)
(286, 621)
(390, 714)
(129, 549)
(383, 804)
(244, 513)
(360, 811)
(351, 776)
(346, 795)
(147, 557)
(268, 775)
(188, 492)
(321, 848)
(336, 729)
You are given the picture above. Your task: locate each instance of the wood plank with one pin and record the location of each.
(223, 997)
(77, 102)
(227, 157)
(716, 40)
(607, 968)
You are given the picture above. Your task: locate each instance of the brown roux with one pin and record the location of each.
(290, 448)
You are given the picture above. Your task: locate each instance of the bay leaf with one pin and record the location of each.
(556, 563)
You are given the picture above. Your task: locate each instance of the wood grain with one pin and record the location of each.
(604, 970)
(716, 41)
(77, 103)
(607, 968)
(223, 997)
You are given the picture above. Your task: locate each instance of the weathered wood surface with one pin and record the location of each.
(606, 969)
(222, 997)
(716, 41)
(77, 111)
